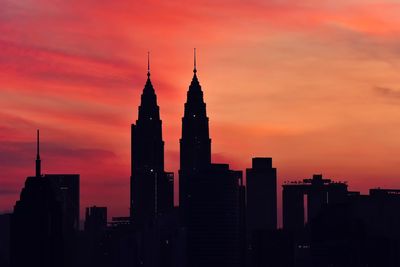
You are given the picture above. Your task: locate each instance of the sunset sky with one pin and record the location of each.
(313, 84)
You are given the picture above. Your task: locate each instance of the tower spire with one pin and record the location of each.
(148, 64)
(194, 61)
(38, 161)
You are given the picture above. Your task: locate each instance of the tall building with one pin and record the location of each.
(36, 224)
(261, 210)
(261, 195)
(151, 186)
(195, 144)
(210, 194)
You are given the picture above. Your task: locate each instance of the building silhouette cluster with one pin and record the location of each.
(220, 221)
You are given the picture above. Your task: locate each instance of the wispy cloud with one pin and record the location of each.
(387, 92)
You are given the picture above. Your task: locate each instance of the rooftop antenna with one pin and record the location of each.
(38, 161)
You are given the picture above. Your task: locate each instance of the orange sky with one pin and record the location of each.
(313, 84)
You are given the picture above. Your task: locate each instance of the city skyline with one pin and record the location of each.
(85, 100)
(219, 221)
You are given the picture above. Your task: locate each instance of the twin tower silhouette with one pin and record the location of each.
(151, 186)
(211, 196)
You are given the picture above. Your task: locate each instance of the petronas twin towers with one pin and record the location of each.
(210, 194)
(151, 186)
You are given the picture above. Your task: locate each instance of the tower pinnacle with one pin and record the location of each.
(194, 61)
(38, 161)
(148, 64)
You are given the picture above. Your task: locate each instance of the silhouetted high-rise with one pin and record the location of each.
(210, 194)
(151, 187)
(195, 144)
(36, 224)
(261, 209)
(261, 195)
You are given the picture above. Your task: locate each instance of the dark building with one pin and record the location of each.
(210, 194)
(261, 210)
(94, 244)
(67, 190)
(195, 144)
(303, 200)
(151, 186)
(213, 217)
(5, 239)
(242, 223)
(272, 248)
(95, 219)
(261, 195)
(55, 196)
(362, 231)
(36, 224)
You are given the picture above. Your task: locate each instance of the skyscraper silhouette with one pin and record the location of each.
(261, 208)
(36, 224)
(261, 195)
(195, 143)
(210, 194)
(151, 186)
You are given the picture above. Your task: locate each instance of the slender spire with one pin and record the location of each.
(37, 144)
(194, 61)
(38, 161)
(148, 64)
(194, 85)
(148, 88)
